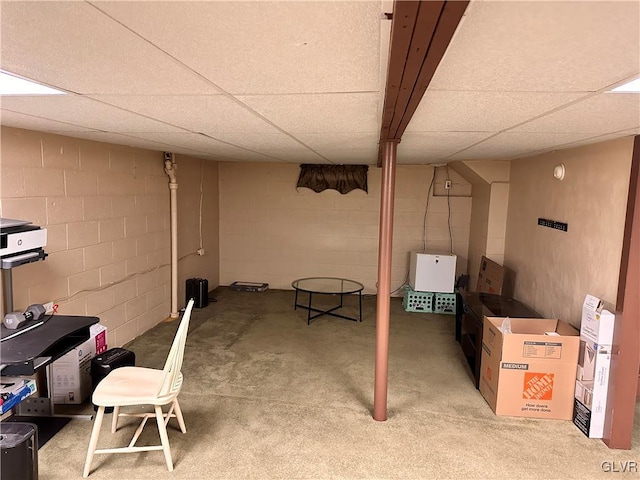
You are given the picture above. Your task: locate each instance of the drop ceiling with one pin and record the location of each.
(304, 81)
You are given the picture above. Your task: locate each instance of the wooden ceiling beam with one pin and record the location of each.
(402, 27)
(420, 35)
(424, 28)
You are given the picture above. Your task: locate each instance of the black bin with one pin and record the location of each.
(198, 289)
(104, 363)
(19, 445)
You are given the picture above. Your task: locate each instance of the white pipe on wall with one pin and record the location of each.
(170, 168)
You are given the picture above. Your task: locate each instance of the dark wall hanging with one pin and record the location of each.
(342, 178)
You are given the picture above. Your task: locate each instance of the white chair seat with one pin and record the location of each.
(132, 386)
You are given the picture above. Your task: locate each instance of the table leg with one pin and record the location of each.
(295, 302)
(309, 310)
(360, 295)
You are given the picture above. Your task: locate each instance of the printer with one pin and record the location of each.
(20, 243)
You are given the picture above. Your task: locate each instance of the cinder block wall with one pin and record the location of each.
(106, 210)
(272, 232)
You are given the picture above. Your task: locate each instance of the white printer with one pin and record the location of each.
(20, 243)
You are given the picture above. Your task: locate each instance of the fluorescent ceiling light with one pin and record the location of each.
(630, 87)
(12, 85)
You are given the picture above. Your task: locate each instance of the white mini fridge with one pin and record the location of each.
(432, 272)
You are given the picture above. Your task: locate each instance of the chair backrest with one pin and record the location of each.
(172, 380)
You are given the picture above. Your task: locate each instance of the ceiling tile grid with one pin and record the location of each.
(303, 81)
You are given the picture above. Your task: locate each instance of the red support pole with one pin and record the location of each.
(384, 279)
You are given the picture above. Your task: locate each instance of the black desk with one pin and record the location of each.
(25, 353)
(37, 348)
(471, 309)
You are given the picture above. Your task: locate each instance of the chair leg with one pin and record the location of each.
(114, 419)
(176, 407)
(164, 437)
(93, 441)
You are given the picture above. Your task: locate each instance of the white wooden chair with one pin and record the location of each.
(128, 386)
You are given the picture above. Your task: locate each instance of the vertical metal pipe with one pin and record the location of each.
(170, 168)
(384, 279)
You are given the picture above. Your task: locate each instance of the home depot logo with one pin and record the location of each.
(538, 386)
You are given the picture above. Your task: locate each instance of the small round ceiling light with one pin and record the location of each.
(558, 171)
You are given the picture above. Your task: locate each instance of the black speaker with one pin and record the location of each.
(19, 445)
(103, 364)
(198, 289)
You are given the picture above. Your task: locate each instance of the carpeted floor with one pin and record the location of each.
(268, 397)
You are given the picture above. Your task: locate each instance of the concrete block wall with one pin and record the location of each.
(272, 232)
(106, 211)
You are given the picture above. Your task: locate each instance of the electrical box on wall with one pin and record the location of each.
(432, 272)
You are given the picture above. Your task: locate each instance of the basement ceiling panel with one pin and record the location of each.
(265, 47)
(490, 111)
(434, 147)
(210, 114)
(204, 144)
(320, 113)
(323, 142)
(611, 111)
(542, 46)
(20, 120)
(132, 141)
(84, 51)
(83, 111)
(503, 144)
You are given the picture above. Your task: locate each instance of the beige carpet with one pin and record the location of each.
(268, 397)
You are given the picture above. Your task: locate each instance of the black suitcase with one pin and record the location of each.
(103, 364)
(198, 289)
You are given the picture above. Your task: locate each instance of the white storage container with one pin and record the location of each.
(432, 272)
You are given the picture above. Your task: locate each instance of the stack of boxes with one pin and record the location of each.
(72, 372)
(592, 377)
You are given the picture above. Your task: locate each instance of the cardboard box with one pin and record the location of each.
(490, 277)
(594, 363)
(530, 371)
(72, 372)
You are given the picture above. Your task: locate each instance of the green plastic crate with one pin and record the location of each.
(417, 301)
(444, 303)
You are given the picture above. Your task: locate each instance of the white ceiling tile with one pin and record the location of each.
(298, 156)
(542, 46)
(334, 141)
(465, 111)
(120, 139)
(210, 114)
(258, 141)
(319, 113)
(429, 147)
(603, 138)
(518, 144)
(266, 47)
(85, 112)
(349, 156)
(603, 113)
(204, 144)
(20, 120)
(74, 46)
